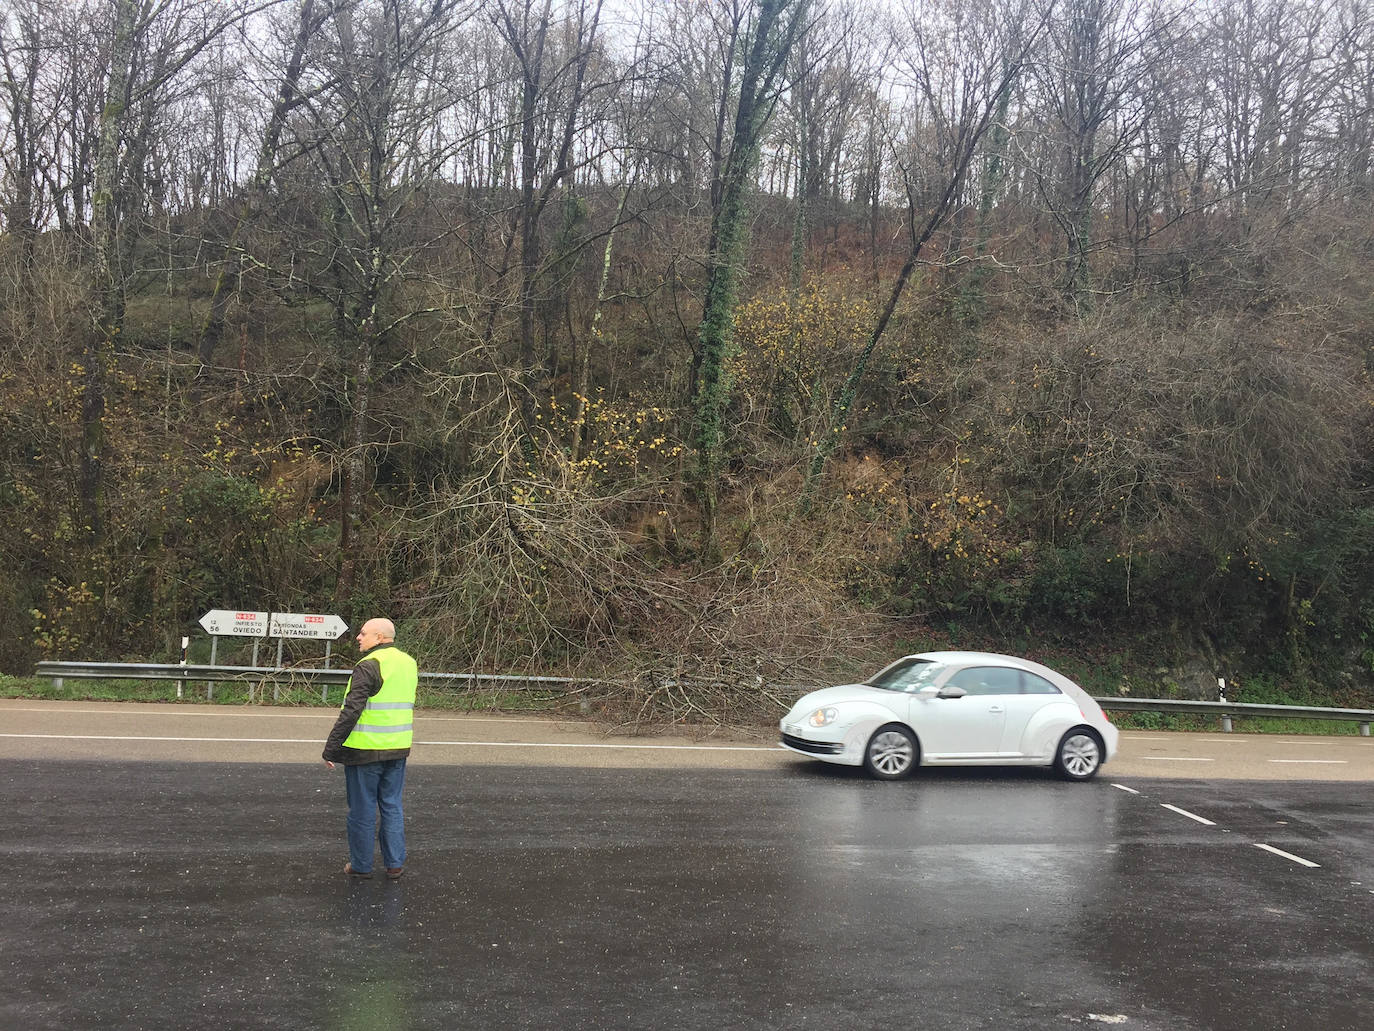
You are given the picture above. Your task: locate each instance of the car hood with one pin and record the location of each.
(843, 693)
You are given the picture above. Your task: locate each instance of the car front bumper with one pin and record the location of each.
(831, 744)
(820, 749)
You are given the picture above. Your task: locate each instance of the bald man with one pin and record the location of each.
(371, 740)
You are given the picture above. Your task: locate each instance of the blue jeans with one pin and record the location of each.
(376, 788)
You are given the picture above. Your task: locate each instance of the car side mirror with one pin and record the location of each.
(951, 691)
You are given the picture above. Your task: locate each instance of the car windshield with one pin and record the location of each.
(909, 674)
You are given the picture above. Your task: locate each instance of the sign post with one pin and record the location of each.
(310, 626)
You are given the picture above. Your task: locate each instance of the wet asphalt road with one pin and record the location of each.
(160, 894)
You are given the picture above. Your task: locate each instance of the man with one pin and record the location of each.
(371, 738)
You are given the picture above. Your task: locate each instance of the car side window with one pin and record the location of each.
(986, 680)
(1032, 684)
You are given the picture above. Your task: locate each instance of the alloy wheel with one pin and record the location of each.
(890, 753)
(1080, 755)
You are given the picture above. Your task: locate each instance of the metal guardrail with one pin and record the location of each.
(278, 676)
(325, 678)
(1227, 710)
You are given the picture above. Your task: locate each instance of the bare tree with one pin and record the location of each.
(374, 58)
(1351, 125)
(555, 77)
(1097, 53)
(152, 43)
(310, 16)
(27, 128)
(960, 76)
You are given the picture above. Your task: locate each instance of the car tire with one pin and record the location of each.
(891, 753)
(1079, 755)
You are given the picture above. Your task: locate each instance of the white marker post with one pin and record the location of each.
(185, 643)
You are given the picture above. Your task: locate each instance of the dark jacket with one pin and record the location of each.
(366, 682)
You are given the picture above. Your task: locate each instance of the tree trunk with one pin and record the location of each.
(108, 275)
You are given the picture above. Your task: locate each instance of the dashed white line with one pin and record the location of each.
(1288, 855)
(1123, 787)
(1191, 816)
(1327, 762)
(1178, 758)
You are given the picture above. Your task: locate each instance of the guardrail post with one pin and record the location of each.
(1226, 724)
(1364, 730)
(324, 688)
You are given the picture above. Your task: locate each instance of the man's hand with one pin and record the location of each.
(329, 764)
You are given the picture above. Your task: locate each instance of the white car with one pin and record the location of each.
(954, 709)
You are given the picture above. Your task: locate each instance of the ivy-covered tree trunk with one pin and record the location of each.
(766, 52)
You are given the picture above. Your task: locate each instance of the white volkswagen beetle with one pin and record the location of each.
(954, 708)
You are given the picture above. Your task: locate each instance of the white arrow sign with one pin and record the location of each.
(302, 625)
(228, 623)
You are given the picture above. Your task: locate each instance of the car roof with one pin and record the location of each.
(954, 658)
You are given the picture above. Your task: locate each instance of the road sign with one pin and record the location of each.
(228, 623)
(302, 625)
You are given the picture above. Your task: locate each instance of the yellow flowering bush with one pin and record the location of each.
(793, 355)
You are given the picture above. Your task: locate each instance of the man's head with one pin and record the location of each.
(375, 632)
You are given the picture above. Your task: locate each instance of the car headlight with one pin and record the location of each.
(822, 717)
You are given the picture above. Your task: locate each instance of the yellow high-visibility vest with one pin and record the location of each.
(388, 719)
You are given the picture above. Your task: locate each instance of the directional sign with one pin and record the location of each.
(228, 623)
(294, 624)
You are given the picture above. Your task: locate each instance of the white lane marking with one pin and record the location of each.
(1177, 758)
(461, 744)
(131, 737)
(1329, 762)
(1288, 855)
(649, 748)
(140, 714)
(1191, 816)
(1123, 787)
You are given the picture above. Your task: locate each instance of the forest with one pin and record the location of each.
(705, 344)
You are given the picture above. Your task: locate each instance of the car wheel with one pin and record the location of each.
(1080, 754)
(891, 753)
